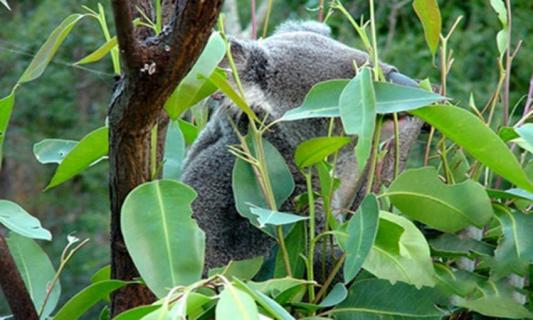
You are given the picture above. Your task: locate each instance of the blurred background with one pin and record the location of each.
(69, 101)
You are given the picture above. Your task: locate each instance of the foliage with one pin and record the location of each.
(469, 250)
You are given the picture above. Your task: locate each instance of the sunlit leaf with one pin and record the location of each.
(391, 97)
(137, 312)
(89, 150)
(450, 244)
(4, 2)
(6, 108)
(410, 263)
(99, 53)
(422, 196)
(165, 243)
(467, 130)
(87, 298)
(429, 14)
(53, 150)
(495, 306)
(499, 7)
(268, 217)
(174, 151)
(270, 305)
(375, 299)
(362, 229)
(102, 274)
(235, 304)
(189, 131)
(357, 105)
(47, 51)
(189, 91)
(314, 150)
(15, 218)
(36, 270)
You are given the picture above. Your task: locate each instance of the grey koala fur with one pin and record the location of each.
(276, 73)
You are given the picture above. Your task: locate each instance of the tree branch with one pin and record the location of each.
(129, 48)
(17, 295)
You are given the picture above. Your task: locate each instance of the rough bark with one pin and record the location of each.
(15, 291)
(152, 69)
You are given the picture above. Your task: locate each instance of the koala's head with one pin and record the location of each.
(278, 72)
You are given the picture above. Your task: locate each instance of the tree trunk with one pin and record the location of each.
(152, 67)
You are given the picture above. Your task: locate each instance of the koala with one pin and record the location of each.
(276, 72)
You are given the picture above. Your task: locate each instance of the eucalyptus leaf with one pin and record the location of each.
(53, 150)
(235, 304)
(174, 152)
(450, 244)
(102, 274)
(357, 105)
(4, 2)
(377, 299)
(18, 220)
(36, 270)
(186, 94)
(362, 229)
(165, 243)
(391, 97)
(137, 312)
(268, 217)
(335, 296)
(47, 51)
(422, 196)
(429, 14)
(242, 269)
(87, 298)
(313, 151)
(6, 108)
(190, 132)
(494, 306)
(466, 130)
(296, 246)
(269, 305)
(88, 151)
(411, 264)
(101, 52)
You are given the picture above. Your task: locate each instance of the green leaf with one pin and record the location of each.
(99, 53)
(508, 134)
(392, 97)
(314, 150)
(466, 130)
(269, 305)
(88, 151)
(429, 14)
(190, 132)
(165, 243)
(192, 305)
(174, 152)
(322, 101)
(6, 108)
(526, 137)
(102, 274)
(189, 91)
(53, 150)
(87, 298)
(376, 299)
(275, 218)
(246, 189)
(496, 306)
(243, 269)
(335, 296)
(450, 244)
(277, 286)
(515, 250)
(502, 41)
(411, 264)
(296, 245)
(422, 196)
(15, 218)
(137, 312)
(500, 9)
(47, 51)
(235, 304)
(362, 229)
(357, 105)
(36, 270)
(4, 2)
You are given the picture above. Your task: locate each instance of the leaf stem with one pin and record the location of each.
(311, 254)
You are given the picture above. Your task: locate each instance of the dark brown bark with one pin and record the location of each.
(152, 69)
(15, 291)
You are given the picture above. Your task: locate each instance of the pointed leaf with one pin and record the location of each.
(466, 130)
(362, 230)
(496, 306)
(422, 196)
(376, 299)
(137, 312)
(165, 243)
(53, 150)
(99, 53)
(429, 14)
(174, 151)
(270, 305)
(185, 95)
(6, 108)
(314, 150)
(89, 150)
(36, 270)
(4, 2)
(15, 218)
(392, 97)
(275, 218)
(87, 298)
(242, 269)
(335, 296)
(410, 264)
(235, 304)
(47, 51)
